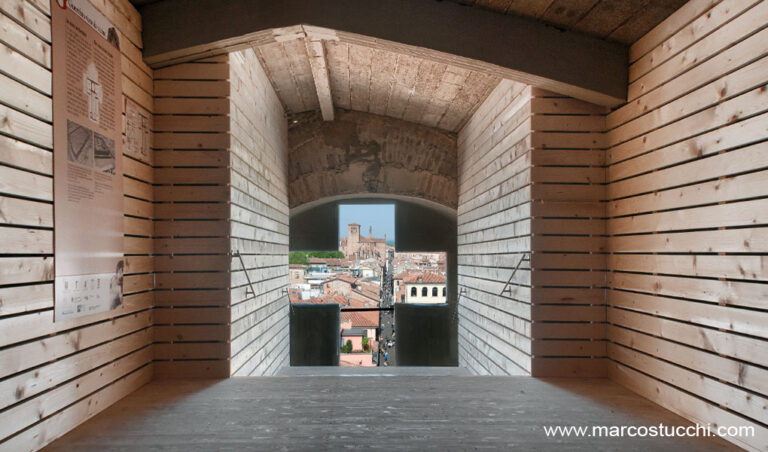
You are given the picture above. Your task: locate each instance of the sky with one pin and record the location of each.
(380, 216)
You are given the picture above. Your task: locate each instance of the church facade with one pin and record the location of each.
(360, 248)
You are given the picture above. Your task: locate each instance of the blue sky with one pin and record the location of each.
(380, 216)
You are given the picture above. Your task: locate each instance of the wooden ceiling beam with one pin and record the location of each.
(506, 46)
(319, 65)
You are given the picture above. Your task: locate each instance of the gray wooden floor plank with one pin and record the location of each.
(406, 412)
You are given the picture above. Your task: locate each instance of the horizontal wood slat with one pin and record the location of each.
(191, 242)
(55, 375)
(687, 233)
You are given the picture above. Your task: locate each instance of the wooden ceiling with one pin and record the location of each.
(377, 81)
(623, 21)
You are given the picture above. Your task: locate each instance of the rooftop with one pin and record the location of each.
(411, 277)
(362, 319)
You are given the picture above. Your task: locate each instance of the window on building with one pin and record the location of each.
(423, 291)
(434, 291)
(444, 291)
(413, 291)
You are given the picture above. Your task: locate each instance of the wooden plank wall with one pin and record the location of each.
(688, 189)
(191, 140)
(568, 260)
(259, 220)
(494, 230)
(532, 180)
(53, 376)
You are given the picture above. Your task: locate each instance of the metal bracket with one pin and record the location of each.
(508, 286)
(248, 290)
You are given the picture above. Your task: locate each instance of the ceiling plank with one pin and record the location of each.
(360, 77)
(298, 60)
(565, 13)
(275, 66)
(319, 65)
(404, 87)
(337, 54)
(383, 67)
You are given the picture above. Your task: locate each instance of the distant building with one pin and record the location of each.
(355, 336)
(340, 284)
(329, 263)
(359, 248)
(322, 299)
(317, 265)
(420, 287)
(366, 321)
(419, 261)
(368, 271)
(298, 274)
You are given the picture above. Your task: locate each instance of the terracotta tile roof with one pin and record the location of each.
(361, 303)
(410, 277)
(364, 296)
(345, 278)
(296, 266)
(325, 299)
(365, 319)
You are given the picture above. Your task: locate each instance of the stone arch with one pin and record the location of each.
(362, 153)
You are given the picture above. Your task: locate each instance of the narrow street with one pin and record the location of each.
(386, 352)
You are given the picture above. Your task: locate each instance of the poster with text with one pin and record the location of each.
(137, 132)
(87, 159)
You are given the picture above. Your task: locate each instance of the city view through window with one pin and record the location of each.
(367, 277)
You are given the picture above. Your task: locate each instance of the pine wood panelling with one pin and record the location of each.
(56, 375)
(191, 239)
(686, 198)
(220, 186)
(493, 233)
(259, 216)
(529, 158)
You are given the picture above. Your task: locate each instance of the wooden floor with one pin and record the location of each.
(410, 411)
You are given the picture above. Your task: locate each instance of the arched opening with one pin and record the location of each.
(421, 228)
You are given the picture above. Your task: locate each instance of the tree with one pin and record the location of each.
(366, 344)
(347, 348)
(297, 257)
(302, 257)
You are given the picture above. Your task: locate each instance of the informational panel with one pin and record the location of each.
(137, 131)
(87, 151)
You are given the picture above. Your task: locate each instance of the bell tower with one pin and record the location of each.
(353, 235)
